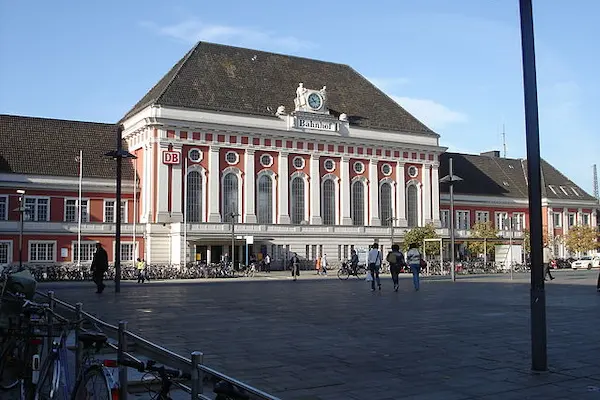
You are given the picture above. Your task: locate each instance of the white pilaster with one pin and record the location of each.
(435, 195)
(345, 191)
(147, 186)
(249, 182)
(426, 176)
(214, 195)
(177, 189)
(374, 193)
(400, 195)
(565, 220)
(594, 218)
(283, 191)
(162, 196)
(579, 217)
(315, 191)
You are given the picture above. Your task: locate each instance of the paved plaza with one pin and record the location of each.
(321, 338)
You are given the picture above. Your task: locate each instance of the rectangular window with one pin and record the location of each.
(279, 255)
(5, 252)
(3, 208)
(313, 252)
(501, 220)
(37, 209)
(87, 251)
(518, 221)
(128, 251)
(482, 216)
(345, 252)
(109, 211)
(445, 218)
(307, 253)
(71, 210)
(557, 219)
(572, 219)
(463, 220)
(320, 250)
(339, 252)
(42, 251)
(585, 219)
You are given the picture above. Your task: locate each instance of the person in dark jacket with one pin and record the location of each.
(354, 261)
(295, 263)
(99, 267)
(396, 260)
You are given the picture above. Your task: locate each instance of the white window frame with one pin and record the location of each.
(9, 252)
(556, 215)
(4, 216)
(500, 223)
(31, 242)
(34, 217)
(83, 242)
(574, 216)
(445, 218)
(518, 216)
(85, 216)
(479, 214)
(123, 217)
(136, 249)
(583, 219)
(458, 219)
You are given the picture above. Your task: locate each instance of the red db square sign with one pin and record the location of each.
(171, 157)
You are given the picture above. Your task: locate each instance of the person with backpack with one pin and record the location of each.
(414, 259)
(374, 259)
(396, 260)
(99, 267)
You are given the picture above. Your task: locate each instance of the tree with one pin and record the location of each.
(527, 240)
(580, 239)
(482, 230)
(417, 234)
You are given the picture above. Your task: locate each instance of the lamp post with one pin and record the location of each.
(391, 221)
(450, 179)
(509, 221)
(21, 211)
(119, 154)
(233, 216)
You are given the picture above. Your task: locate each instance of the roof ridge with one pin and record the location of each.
(57, 119)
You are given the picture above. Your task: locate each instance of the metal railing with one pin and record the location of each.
(199, 372)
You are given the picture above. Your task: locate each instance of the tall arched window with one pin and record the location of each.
(265, 200)
(385, 204)
(412, 206)
(328, 202)
(194, 197)
(297, 200)
(357, 203)
(230, 196)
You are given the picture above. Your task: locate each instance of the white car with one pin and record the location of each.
(587, 262)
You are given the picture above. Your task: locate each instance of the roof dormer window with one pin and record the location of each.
(562, 188)
(552, 188)
(575, 191)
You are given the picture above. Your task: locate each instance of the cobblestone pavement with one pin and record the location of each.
(321, 338)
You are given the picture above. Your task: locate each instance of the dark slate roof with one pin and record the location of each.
(505, 177)
(232, 79)
(43, 146)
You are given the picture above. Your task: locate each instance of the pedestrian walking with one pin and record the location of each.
(99, 267)
(141, 270)
(374, 259)
(324, 264)
(396, 260)
(267, 263)
(295, 262)
(414, 259)
(547, 257)
(354, 261)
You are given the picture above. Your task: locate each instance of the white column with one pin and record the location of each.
(374, 193)
(400, 195)
(435, 195)
(315, 191)
(147, 184)
(594, 218)
(426, 176)
(162, 195)
(565, 220)
(345, 191)
(177, 189)
(214, 183)
(249, 185)
(283, 191)
(579, 216)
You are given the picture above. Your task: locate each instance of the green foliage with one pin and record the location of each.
(482, 230)
(581, 239)
(417, 234)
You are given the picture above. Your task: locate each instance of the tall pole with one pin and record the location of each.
(233, 215)
(539, 361)
(21, 224)
(451, 172)
(118, 212)
(510, 245)
(79, 210)
(135, 246)
(185, 211)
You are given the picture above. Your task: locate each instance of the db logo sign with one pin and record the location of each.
(171, 157)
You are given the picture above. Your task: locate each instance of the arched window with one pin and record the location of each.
(412, 206)
(357, 203)
(328, 202)
(385, 204)
(230, 196)
(297, 200)
(265, 200)
(194, 197)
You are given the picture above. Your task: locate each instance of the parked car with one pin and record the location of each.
(587, 262)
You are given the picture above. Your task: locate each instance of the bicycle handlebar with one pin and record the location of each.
(161, 370)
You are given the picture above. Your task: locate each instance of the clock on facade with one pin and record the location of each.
(314, 101)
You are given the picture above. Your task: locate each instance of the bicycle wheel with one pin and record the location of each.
(361, 273)
(49, 382)
(343, 274)
(92, 385)
(11, 364)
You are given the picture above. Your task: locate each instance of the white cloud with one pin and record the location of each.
(432, 114)
(193, 30)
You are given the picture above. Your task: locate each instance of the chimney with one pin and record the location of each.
(493, 153)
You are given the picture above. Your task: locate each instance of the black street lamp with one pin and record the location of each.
(450, 179)
(119, 154)
(22, 210)
(233, 216)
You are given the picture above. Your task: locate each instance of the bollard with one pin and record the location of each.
(49, 318)
(197, 374)
(78, 344)
(122, 348)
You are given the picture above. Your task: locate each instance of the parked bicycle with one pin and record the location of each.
(165, 376)
(346, 270)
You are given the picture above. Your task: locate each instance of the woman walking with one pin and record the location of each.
(413, 258)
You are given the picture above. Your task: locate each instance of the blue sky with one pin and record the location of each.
(456, 65)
